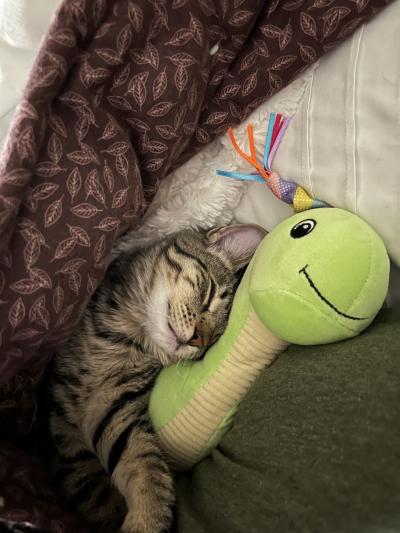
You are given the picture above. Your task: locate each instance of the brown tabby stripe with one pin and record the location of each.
(187, 254)
(131, 377)
(115, 338)
(172, 263)
(118, 448)
(210, 296)
(119, 404)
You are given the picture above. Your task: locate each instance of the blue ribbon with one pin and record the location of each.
(267, 147)
(240, 176)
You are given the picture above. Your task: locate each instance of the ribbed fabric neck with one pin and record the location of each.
(187, 435)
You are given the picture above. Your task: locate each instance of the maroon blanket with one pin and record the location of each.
(122, 92)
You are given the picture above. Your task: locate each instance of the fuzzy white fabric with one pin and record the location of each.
(22, 25)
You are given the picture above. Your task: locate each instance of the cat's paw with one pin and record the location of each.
(147, 523)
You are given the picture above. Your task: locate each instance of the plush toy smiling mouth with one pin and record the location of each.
(316, 290)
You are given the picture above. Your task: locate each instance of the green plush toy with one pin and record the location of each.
(318, 277)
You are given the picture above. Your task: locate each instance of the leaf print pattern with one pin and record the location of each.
(182, 59)
(26, 144)
(197, 30)
(80, 235)
(240, 18)
(16, 313)
(38, 313)
(292, 5)
(160, 84)
(74, 183)
(47, 169)
(31, 252)
(85, 210)
(119, 198)
(41, 277)
(124, 39)
(135, 15)
(110, 130)
(332, 18)
(181, 78)
(285, 36)
(54, 148)
(137, 87)
(43, 191)
(53, 212)
(270, 31)
(119, 102)
(80, 157)
(25, 286)
(100, 125)
(64, 248)
(308, 54)
(82, 127)
(160, 109)
(109, 224)
(283, 62)
(181, 37)
(108, 176)
(109, 56)
(99, 249)
(308, 24)
(17, 177)
(94, 188)
(72, 265)
(249, 84)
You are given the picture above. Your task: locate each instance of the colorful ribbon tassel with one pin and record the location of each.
(287, 191)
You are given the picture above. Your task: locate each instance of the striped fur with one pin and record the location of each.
(156, 306)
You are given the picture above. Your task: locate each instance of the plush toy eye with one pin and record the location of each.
(303, 228)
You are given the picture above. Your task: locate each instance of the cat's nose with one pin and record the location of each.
(199, 339)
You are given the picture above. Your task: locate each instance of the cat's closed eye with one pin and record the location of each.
(209, 294)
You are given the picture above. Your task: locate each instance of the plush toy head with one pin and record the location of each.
(318, 277)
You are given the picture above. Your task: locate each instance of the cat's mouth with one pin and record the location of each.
(176, 343)
(325, 300)
(172, 336)
(184, 349)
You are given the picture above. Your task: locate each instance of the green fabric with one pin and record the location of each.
(315, 446)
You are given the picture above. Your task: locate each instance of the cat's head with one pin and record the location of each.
(190, 300)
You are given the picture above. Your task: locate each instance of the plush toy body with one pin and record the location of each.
(314, 279)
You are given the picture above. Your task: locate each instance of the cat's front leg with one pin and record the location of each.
(142, 476)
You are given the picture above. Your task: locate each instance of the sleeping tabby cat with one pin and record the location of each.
(156, 306)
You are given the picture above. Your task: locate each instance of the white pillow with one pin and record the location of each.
(343, 143)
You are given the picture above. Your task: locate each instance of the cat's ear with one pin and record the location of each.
(239, 242)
